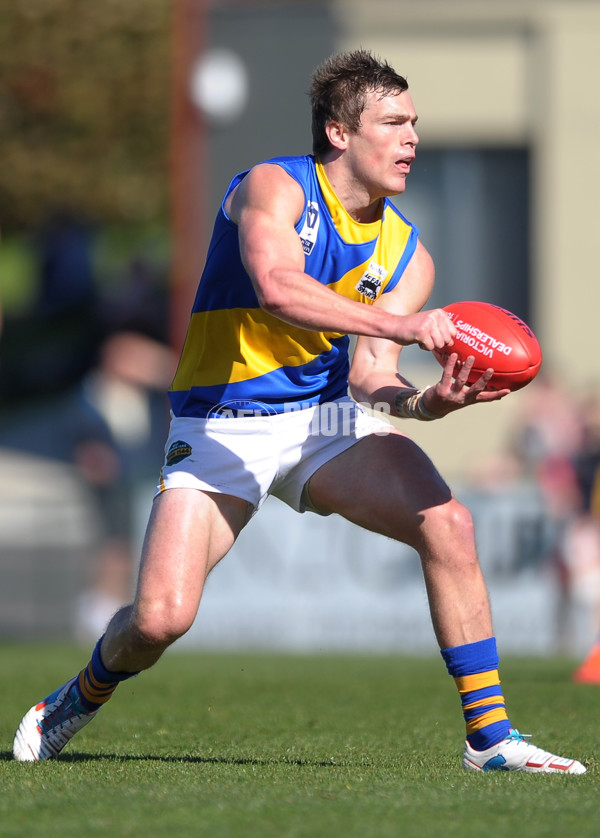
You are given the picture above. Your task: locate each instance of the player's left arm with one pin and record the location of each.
(374, 377)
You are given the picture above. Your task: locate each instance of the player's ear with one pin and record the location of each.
(337, 134)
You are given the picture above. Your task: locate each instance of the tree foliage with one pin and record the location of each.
(84, 109)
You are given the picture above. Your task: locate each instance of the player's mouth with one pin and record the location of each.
(404, 164)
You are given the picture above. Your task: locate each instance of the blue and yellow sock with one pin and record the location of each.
(474, 668)
(96, 684)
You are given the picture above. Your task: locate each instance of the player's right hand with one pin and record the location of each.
(431, 329)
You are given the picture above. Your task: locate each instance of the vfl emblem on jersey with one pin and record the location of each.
(369, 285)
(177, 452)
(308, 233)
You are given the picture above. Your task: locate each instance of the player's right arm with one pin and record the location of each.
(266, 206)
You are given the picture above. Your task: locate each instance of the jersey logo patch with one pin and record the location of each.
(370, 283)
(308, 233)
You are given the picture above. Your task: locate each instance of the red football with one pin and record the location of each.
(496, 338)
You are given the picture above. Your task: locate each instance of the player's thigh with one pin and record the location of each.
(189, 531)
(385, 483)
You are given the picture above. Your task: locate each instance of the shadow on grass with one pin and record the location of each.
(6, 756)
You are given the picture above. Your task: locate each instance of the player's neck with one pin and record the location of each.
(352, 194)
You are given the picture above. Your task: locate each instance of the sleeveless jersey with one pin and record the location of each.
(240, 357)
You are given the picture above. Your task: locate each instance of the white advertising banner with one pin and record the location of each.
(307, 583)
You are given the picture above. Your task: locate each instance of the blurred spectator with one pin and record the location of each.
(111, 428)
(558, 443)
(127, 389)
(550, 429)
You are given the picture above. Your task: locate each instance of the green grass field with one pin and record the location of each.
(295, 747)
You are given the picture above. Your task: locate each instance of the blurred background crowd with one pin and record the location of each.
(120, 125)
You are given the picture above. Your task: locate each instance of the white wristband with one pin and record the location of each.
(409, 405)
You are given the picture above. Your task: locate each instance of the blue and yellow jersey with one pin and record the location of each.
(237, 354)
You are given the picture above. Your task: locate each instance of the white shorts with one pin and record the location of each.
(252, 457)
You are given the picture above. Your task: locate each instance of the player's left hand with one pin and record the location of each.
(452, 392)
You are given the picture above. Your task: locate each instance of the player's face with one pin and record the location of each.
(384, 147)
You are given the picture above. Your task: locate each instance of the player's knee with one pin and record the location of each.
(162, 625)
(450, 529)
(461, 521)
